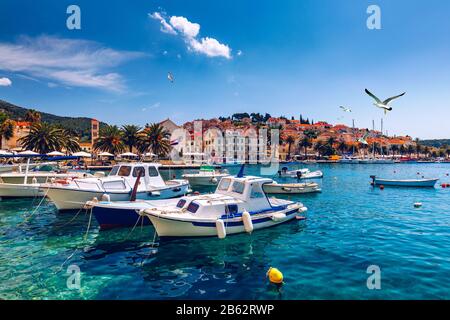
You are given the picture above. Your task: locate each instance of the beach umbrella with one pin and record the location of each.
(150, 154)
(82, 154)
(55, 154)
(105, 154)
(28, 153)
(128, 154)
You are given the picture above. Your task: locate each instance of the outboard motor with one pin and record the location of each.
(373, 180)
(299, 174)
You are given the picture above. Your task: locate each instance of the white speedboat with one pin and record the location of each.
(300, 173)
(291, 188)
(207, 176)
(73, 194)
(238, 205)
(40, 174)
(17, 190)
(418, 183)
(114, 214)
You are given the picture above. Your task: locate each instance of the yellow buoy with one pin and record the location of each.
(275, 275)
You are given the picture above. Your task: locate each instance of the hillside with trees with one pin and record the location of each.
(80, 125)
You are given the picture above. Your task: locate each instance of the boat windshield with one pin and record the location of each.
(256, 192)
(138, 171)
(153, 172)
(238, 187)
(114, 170)
(224, 184)
(124, 171)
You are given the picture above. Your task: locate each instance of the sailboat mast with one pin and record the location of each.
(373, 143)
(353, 130)
(381, 147)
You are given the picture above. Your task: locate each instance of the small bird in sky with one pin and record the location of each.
(170, 77)
(345, 109)
(383, 104)
(363, 138)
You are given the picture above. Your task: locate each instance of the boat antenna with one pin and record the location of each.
(241, 172)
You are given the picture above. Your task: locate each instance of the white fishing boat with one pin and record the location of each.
(418, 183)
(291, 188)
(238, 205)
(143, 179)
(207, 176)
(304, 173)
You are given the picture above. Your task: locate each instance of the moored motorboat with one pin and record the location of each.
(418, 183)
(17, 190)
(300, 173)
(207, 176)
(238, 205)
(117, 186)
(291, 188)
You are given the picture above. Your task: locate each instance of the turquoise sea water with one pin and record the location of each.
(349, 226)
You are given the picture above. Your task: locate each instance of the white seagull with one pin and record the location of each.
(345, 109)
(170, 77)
(363, 138)
(383, 104)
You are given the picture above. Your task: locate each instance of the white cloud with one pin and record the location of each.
(165, 27)
(210, 47)
(5, 82)
(71, 62)
(239, 53)
(153, 106)
(189, 31)
(186, 27)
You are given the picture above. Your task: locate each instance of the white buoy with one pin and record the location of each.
(34, 180)
(247, 219)
(214, 180)
(278, 217)
(106, 197)
(221, 231)
(417, 204)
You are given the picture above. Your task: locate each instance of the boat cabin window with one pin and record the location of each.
(224, 184)
(181, 203)
(231, 209)
(114, 170)
(124, 171)
(256, 192)
(153, 172)
(238, 187)
(192, 207)
(138, 171)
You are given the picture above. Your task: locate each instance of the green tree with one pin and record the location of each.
(32, 116)
(110, 140)
(130, 136)
(305, 143)
(290, 140)
(154, 138)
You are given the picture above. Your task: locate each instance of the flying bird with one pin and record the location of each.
(170, 77)
(383, 104)
(363, 138)
(345, 109)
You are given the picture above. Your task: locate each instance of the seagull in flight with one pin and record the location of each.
(363, 138)
(383, 104)
(345, 109)
(170, 77)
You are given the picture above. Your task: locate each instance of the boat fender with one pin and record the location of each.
(214, 180)
(141, 212)
(275, 276)
(381, 187)
(247, 219)
(155, 193)
(52, 180)
(106, 197)
(34, 180)
(221, 231)
(278, 216)
(94, 200)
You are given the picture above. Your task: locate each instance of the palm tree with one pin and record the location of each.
(6, 127)
(70, 141)
(318, 146)
(290, 140)
(305, 143)
(130, 135)
(394, 149)
(154, 138)
(42, 138)
(410, 150)
(32, 116)
(110, 140)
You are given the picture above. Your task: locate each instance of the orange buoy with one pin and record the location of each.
(381, 187)
(196, 193)
(443, 185)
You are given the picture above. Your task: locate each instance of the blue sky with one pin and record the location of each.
(281, 57)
